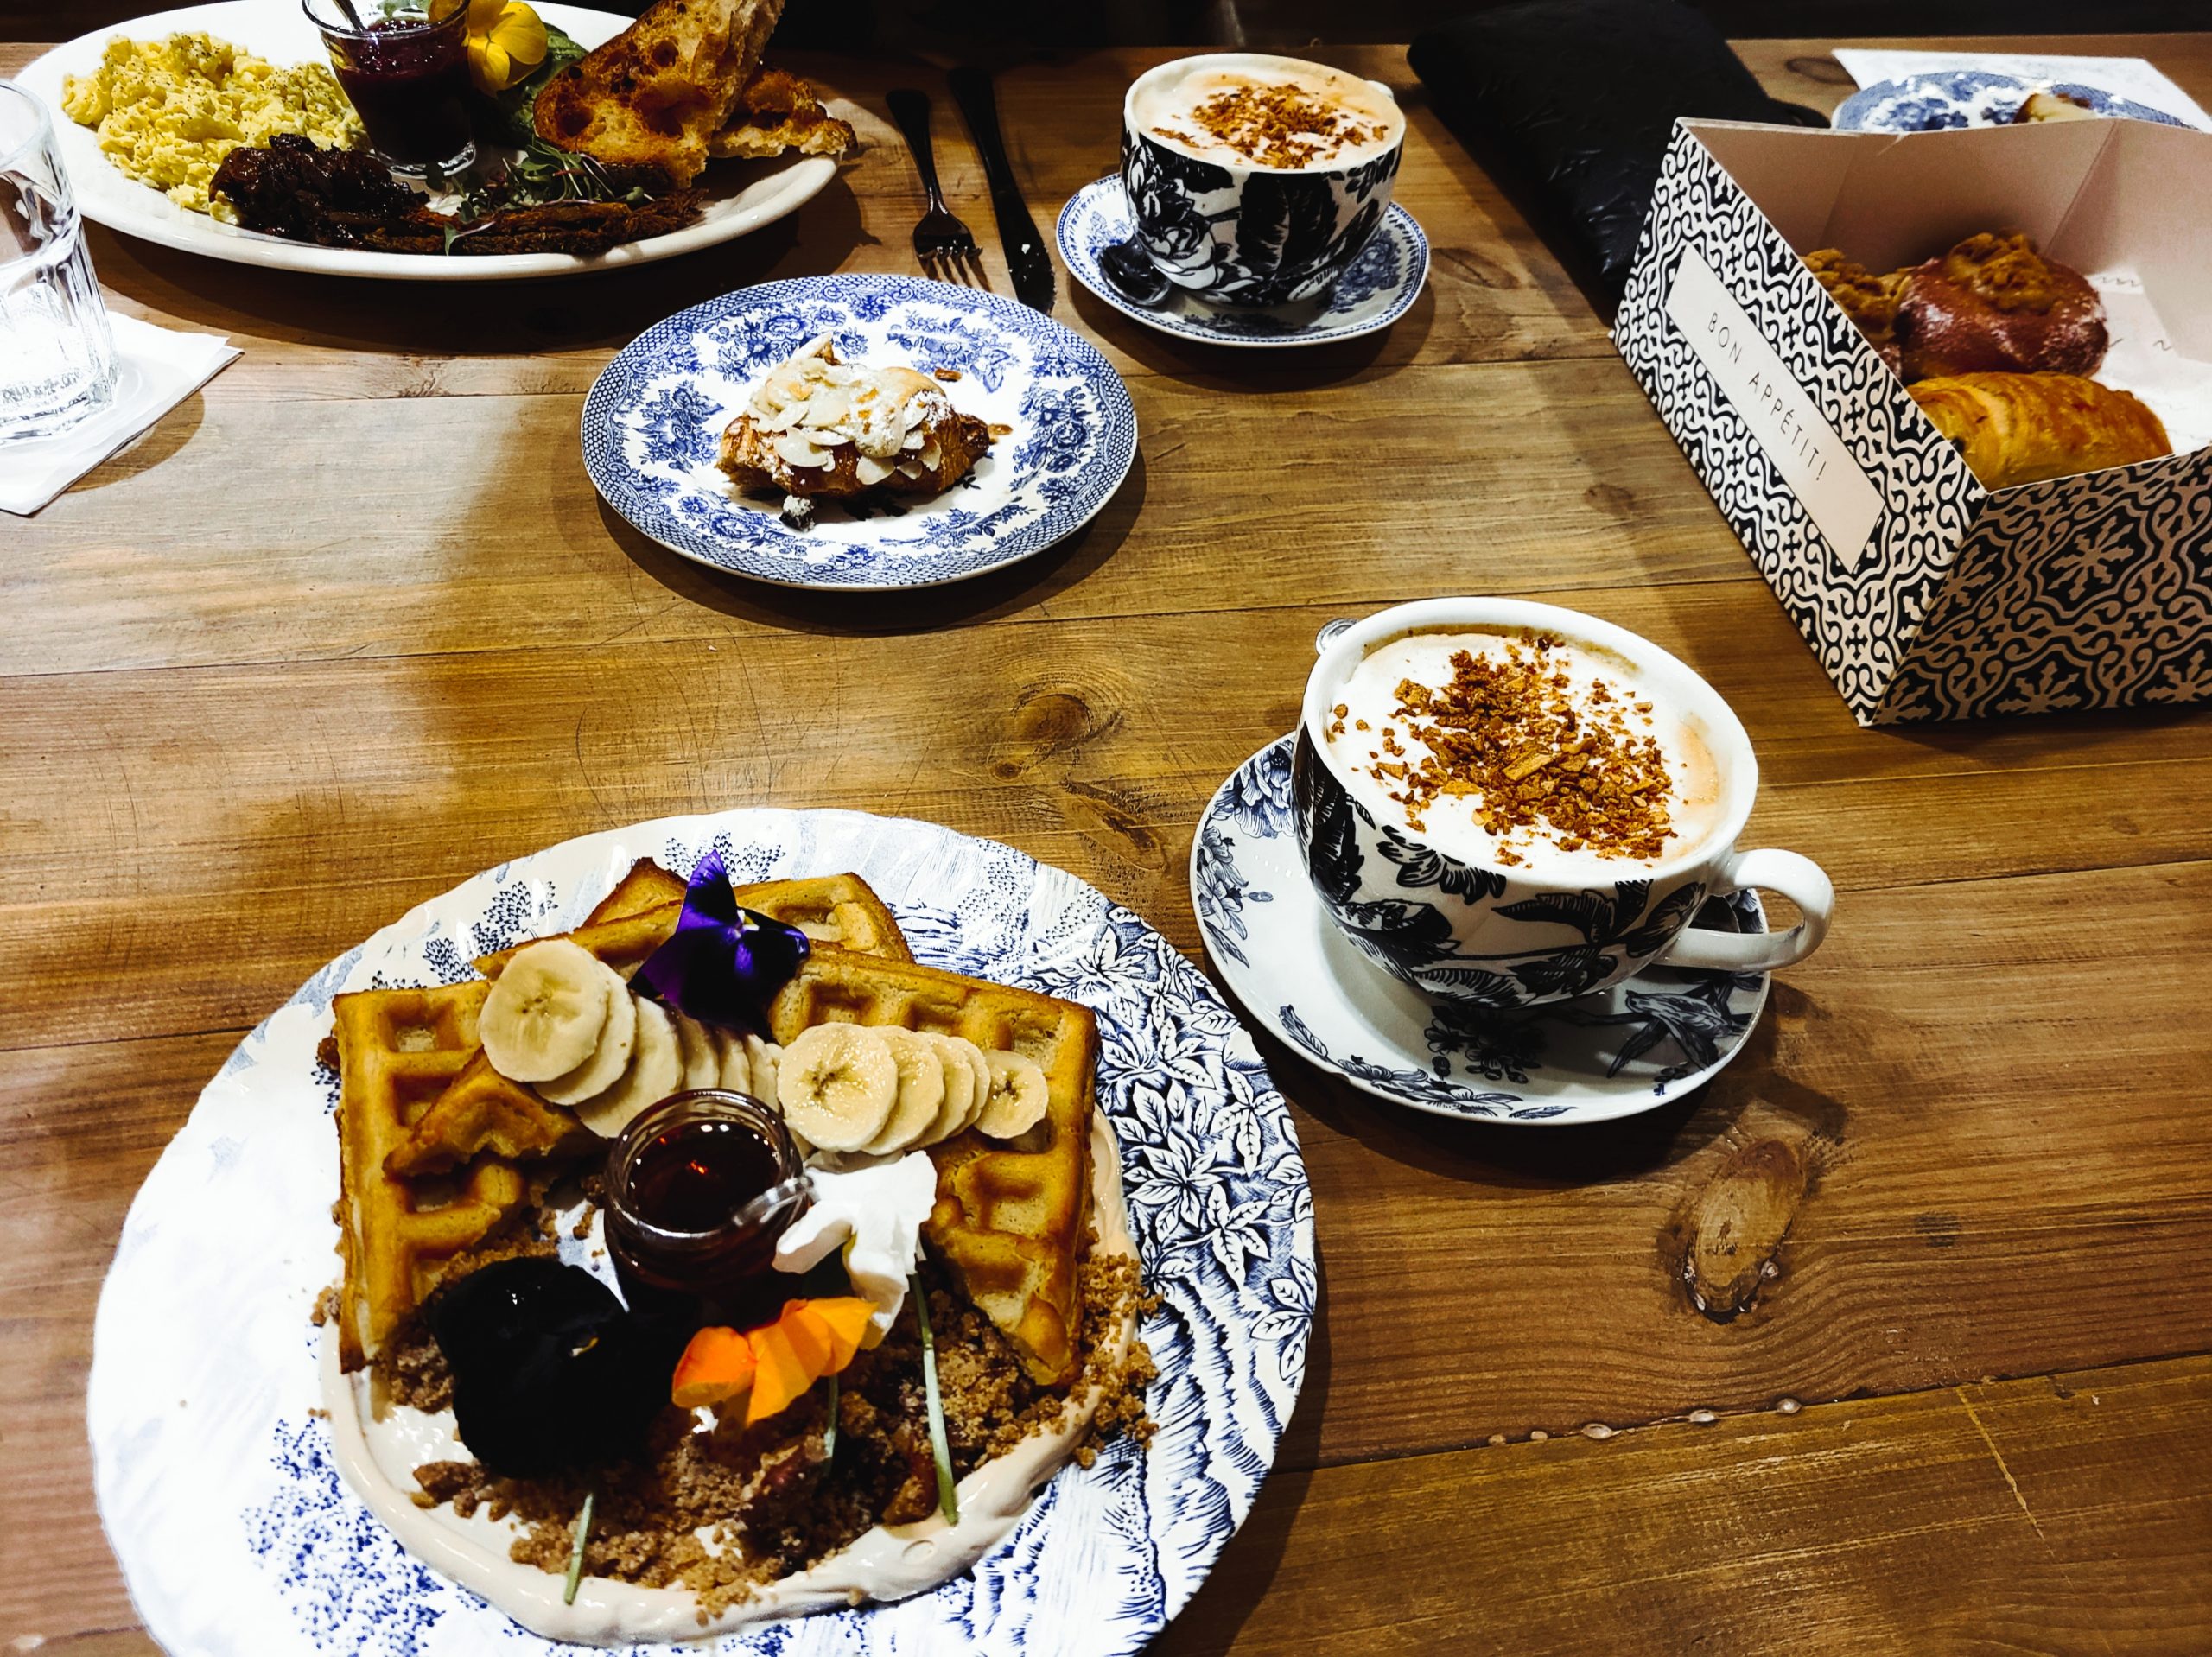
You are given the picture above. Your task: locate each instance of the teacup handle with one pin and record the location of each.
(1798, 878)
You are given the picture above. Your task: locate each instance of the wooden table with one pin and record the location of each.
(351, 626)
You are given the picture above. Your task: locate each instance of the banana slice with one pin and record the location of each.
(836, 1084)
(543, 1015)
(979, 1069)
(732, 1070)
(921, 1091)
(764, 1057)
(1019, 1097)
(959, 1102)
(655, 1071)
(702, 1068)
(610, 1058)
(761, 1058)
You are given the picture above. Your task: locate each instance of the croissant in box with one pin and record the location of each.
(2015, 429)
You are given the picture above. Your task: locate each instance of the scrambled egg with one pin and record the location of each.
(167, 111)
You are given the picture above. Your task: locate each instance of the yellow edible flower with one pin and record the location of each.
(506, 42)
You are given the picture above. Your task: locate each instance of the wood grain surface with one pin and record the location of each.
(350, 625)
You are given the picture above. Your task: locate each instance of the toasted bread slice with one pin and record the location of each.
(778, 112)
(658, 91)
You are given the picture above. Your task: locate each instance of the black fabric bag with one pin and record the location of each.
(1570, 104)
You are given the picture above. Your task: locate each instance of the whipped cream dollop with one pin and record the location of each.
(875, 1214)
(813, 404)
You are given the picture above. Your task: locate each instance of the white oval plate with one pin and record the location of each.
(742, 195)
(653, 423)
(214, 1474)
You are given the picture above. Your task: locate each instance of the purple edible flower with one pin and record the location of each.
(722, 965)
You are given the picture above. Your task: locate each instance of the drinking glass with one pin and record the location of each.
(57, 356)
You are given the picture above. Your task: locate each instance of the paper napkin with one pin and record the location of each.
(2133, 79)
(156, 369)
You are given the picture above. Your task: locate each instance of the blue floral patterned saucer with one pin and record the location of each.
(1970, 98)
(1646, 1040)
(1379, 288)
(655, 417)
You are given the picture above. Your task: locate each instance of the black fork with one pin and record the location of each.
(940, 237)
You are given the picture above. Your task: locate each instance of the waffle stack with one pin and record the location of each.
(1011, 1218)
(438, 1152)
(436, 1148)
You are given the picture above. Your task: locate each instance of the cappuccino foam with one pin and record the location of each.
(1283, 114)
(1531, 751)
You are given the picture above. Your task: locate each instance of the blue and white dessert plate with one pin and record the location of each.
(654, 419)
(1970, 98)
(213, 1459)
(1380, 287)
(1648, 1040)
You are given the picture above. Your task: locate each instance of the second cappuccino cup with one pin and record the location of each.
(1255, 180)
(1433, 888)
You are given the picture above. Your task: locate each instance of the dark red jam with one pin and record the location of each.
(699, 1189)
(408, 79)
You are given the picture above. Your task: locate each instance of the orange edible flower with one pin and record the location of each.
(846, 1319)
(716, 1367)
(781, 1379)
(777, 1362)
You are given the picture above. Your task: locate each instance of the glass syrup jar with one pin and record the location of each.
(699, 1189)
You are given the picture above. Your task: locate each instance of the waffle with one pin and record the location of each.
(1010, 1216)
(647, 885)
(483, 1111)
(397, 1050)
(838, 909)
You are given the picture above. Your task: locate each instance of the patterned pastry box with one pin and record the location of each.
(1925, 596)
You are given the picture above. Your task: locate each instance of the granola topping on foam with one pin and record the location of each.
(814, 403)
(1529, 741)
(1280, 113)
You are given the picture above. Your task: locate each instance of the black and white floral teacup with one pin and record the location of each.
(1504, 936)
(1251, 235)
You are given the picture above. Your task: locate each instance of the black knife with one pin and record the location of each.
(1026, 260)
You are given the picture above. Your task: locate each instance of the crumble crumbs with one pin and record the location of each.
(723, 1509)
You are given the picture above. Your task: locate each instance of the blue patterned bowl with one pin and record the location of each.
(1970, 98)
(1504, 935)
(1250, 235)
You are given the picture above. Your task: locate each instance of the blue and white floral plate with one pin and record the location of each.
(1970, 98)
(1379, 288)
(1648, 1040)
(654, 418)
(214, 1467)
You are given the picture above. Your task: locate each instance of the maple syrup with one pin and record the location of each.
(699, 1189)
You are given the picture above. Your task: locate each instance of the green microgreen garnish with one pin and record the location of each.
(576, 1554)
(947, 1497)
(830, 1434)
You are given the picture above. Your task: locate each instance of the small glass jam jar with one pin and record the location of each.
(698, 1189)
(405, 67)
